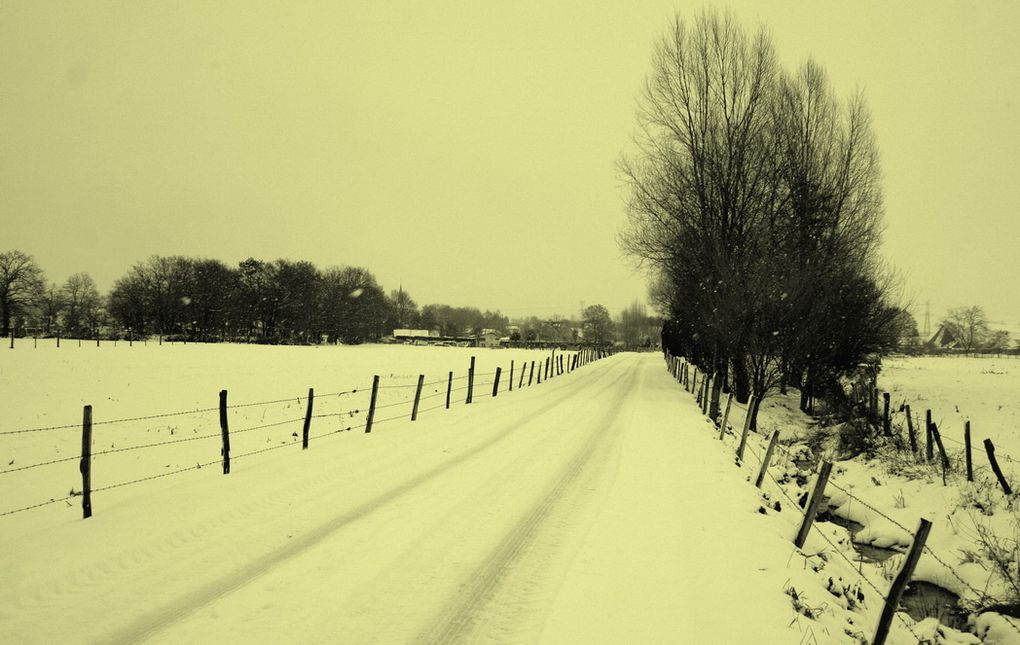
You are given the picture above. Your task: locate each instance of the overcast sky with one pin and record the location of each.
(465, 150)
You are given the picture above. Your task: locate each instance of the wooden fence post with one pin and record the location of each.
(417, 397)
(886, 424)
(990, 449)
(726, 415)
(942, 449)
(520, 383)
(694, 383)
(892, 601)
(812, 508)
(747, 428)
(449, 389)
(510, 380)
(966, 445)
(308, 419)
(547, 368)
(495, 382)
(471, 380)
(224, 430)
(12, 337)
(86, 462)
(910, 432)
(928, 447)
(371, 404)
(531, 373)
(706, 397)
(58, 340)
(767, 459)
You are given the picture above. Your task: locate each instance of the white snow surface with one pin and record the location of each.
(597, 507)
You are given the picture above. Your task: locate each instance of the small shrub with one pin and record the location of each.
(857, 437)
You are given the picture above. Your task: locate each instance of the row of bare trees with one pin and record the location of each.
(754, 197)
(74, 306)
(282, 301)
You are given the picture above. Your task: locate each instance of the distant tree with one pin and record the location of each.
(128, 303)
(403, 311)
(636, 326)
(998, 340)
(354, 305)
(969, 325)
(597, 325)
(50, 309)
(257, 300)
(21, 284)
(212, 292)
(297, 289)
(81, 306)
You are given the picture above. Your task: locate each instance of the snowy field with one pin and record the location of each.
(888, 496)
(157, 389)
(983, 390)
(596, 507)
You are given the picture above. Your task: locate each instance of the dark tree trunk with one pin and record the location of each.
(741, 381)
(754, 413)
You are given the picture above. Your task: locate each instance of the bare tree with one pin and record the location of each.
(81, 305)
(21, 284)
(755, 197)
(969, 325)
(598, 325)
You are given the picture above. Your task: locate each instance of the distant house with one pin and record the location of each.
(944, 338)
(413, 334)
(488, 338)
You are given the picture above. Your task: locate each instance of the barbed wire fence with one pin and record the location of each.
(679, 371)
(355, 417)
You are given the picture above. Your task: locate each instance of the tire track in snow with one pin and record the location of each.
(458, 621)
(155, 621)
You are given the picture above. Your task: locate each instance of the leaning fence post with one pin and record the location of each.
(812, 508)
(417, 397)
(966, 444)
(449, 389)
(308, 419)
(990, 449)
(892, 601)
(928, 448)
(942, 450)
(471, 380)
(767, 459)
(86, 462)
(495, 382)
(371, 404)
(886, 425)
(910, 432)
(520, 383)
(531, 373)
(747, 428)
(225, 450)
(707, 394)
(726, 415)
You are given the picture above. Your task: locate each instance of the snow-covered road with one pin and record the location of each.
(595, 508)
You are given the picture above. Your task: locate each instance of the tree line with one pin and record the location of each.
(282, 301)
(754, 197)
